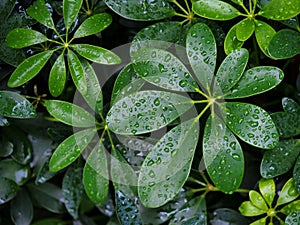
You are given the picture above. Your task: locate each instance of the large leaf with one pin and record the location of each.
(167, 166)
(202, 53)
(264, 34)
(245, 29)
(70, 11)
(21, 209)
(144, 10)
(57, 76)
(70, 114)
(231, 42)
(255, 81)
(222, 155)
(215, 9)
(281, 9)
(8, 190)
(93, 25)
(145, 111)
(288, 193)
(14, 171)
(15, 106)
(69, 150)
(267, 189)
(293, 206)
(251, 123)
(29, 69)
(296, 174)
(293, 218)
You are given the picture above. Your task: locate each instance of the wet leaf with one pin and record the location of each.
(167, 166)
(248, 209)
(70, 11)
(255, 81)
(224, 215)
(257, 200)
(231, 42)
(145, 111)
(93, 25)
(288, 193)
(57, 76)
(69, 113)
(245, 29)
(290, 106)
(14, 171)
(215, 9)
(15, 106)
(293, 218)
(280, 159)
(296, 174)
(69, 150)
(29, 69)
(287, 124)
(281, 9)
(6, 6)
(267, 189)
(21, 209)
(251, 123)
(44, 173)
(163, 69)
(8, 190)
(292, 22)
(223, 156)
(143, 10)
(202, 53)
(291, 207)
(264, 34)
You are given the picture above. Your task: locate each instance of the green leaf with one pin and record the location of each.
(255, 81)
(39, 12)
(293, 218)
(288, 193)
(287, 124)
(293, 206)
(202, 52)
(143, 10)
(51, 221)
(292, 23)
(229, 216)
(69, 150)
(14, 171)
(7, 147)
(6, 7)
(296, 174)
(44, 174)
(21, 209)
(264, 34)
(93, 25)
(77, 72)
(58, 76)
(95, 175)
(230, 71)
(215, 9)
(163, 69)
(290, 106)
(245, 29)
(251, 123)
(261, 221)
(248, 209)
(96, 54)
(69, 113)
(146, 111)
(168, 164)
(231, 42)
(72, 188)
(15, 106)
(280, 159)
(257, 200)
(29, 69)
(267, 189)
(223, 156)
(285, 44)
(3, 122)
(70, 11)
(8, 190)
(239, 2)
(281, 9)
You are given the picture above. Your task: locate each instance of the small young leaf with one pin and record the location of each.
(69, 150)
(231, 42)
(215, 9)
(70, 11)
(93, 25)
(290, 106)
(251, 123)
(296, 174)
(281, 9)
(264, 34)
(245, 29)
(293, 218)
(8, 190)
(248, 209)
(69, 113)
(288, 193)
(257, 200)
(167, 166)
(267, 189)
(21, 209)
(261, 221)
(57, 77)
(29, 37)
(96, 54)
(293, 206)
(29, 69)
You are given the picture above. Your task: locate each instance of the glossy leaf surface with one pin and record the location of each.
(70, 11)
(267, 189)
(225, 215)
(14, 171)
(293, 206)
(264, 34)
(8, 190)
(288, 193)
(257, 200)
(248, 209)
(281, 9)
(245, 29)
(21, 209)
(293, 218)
(296, 174)
(231, 42)
(39, 12)
(57, 76)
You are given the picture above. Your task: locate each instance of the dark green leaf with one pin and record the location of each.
(293, 218)
(167, 166)
(69, 113)
(6, 6)
(144, 10)
(281, 9)
(296, 174)
(15, 106)
(10, 55)
(145, 111)
(293, 206)
(264, 34)
(14, 171)
(245, 29)
(287, 124)
(267, 189)
(70, 11)
(57, 76)
(251, 123)
(69, 150)
(290, 106)
(44, 173)
(228, 216)
(292, 23)
(93, 25)
(49, 222)
(21, 209)
(223, 156)
(288, 193)
(8, 190)
(248, 209)
(231, 42)
(29, 69)
(3, 122)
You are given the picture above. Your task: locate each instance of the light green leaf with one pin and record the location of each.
(93, 25)
(70, 11)
(96, 54)
(231, 42)
(58, 76)
(39, 12)
(255, 81)
(163, 69)
(8, 190)
(69, 150)
(15, 106)
(29, 69)
(248, 209)
(293, 218)
(293, 206)
(21, 209)
(288, 193)
(264, 34)
(245, 29)
(223, 156)
(261, 221)
(69, 113)
(251, 123)
(296, 174)
(257, 200)
(281, 9)
(143, 10)
(202, 53)
(167, 166)
(146, 111)
(267, 189)
(239, 2)
(215, 9)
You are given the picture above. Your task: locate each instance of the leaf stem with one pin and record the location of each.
(58, 34)
(243, 6)
(187, 6)
(197, 181)
(204, 177)
(203, 111)
(201, 93)
(200, 101)
(53, 41)
(181, 15)
(199, 189)
(180, 7)
(240, 190)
